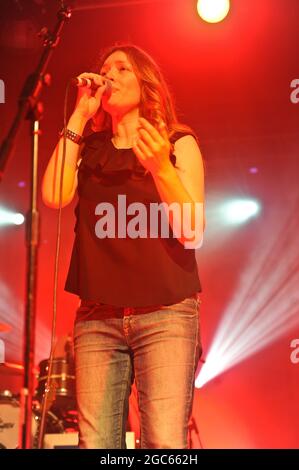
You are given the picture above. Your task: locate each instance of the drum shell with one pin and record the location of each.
(62, 378)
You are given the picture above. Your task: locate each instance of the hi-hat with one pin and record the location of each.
(4, 327)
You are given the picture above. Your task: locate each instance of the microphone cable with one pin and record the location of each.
(49, 387)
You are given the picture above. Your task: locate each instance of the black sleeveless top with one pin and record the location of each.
(125, 272)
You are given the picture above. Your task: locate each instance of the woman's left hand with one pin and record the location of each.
(152, 147)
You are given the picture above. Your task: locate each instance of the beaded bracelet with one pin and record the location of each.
(76, 138)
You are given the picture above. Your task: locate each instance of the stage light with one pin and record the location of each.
(11, 218)
(213, 11)
(265, 303)
(11, 313)
(239, 211)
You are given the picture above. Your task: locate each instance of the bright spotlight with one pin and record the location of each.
(213, 11)
(11, 218)
(239, 211)
(18, 219)
(264, 305)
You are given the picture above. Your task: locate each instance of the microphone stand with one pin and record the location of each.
(30, 108)
(194, 427)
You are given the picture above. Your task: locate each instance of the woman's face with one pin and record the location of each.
(125, 93)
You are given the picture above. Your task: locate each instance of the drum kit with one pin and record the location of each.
(61, 416)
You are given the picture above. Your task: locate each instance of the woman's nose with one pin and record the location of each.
(110, 75)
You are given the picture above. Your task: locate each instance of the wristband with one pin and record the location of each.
(76, 138)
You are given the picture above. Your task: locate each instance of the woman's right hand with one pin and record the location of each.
(88, 100)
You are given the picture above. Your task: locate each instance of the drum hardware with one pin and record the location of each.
(49, 397)
(6, 394)
(60, 398)
(61, 414)
(10, 421)
(62, 376)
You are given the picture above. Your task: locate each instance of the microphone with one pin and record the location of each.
(90, 83)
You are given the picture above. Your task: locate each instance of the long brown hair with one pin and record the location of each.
(156, 102)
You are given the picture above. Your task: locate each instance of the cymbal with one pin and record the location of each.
(11, 368)
(4, 327)
(14, 368)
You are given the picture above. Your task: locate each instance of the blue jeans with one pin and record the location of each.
(159, 347)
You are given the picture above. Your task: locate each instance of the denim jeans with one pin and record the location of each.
(159, 347)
